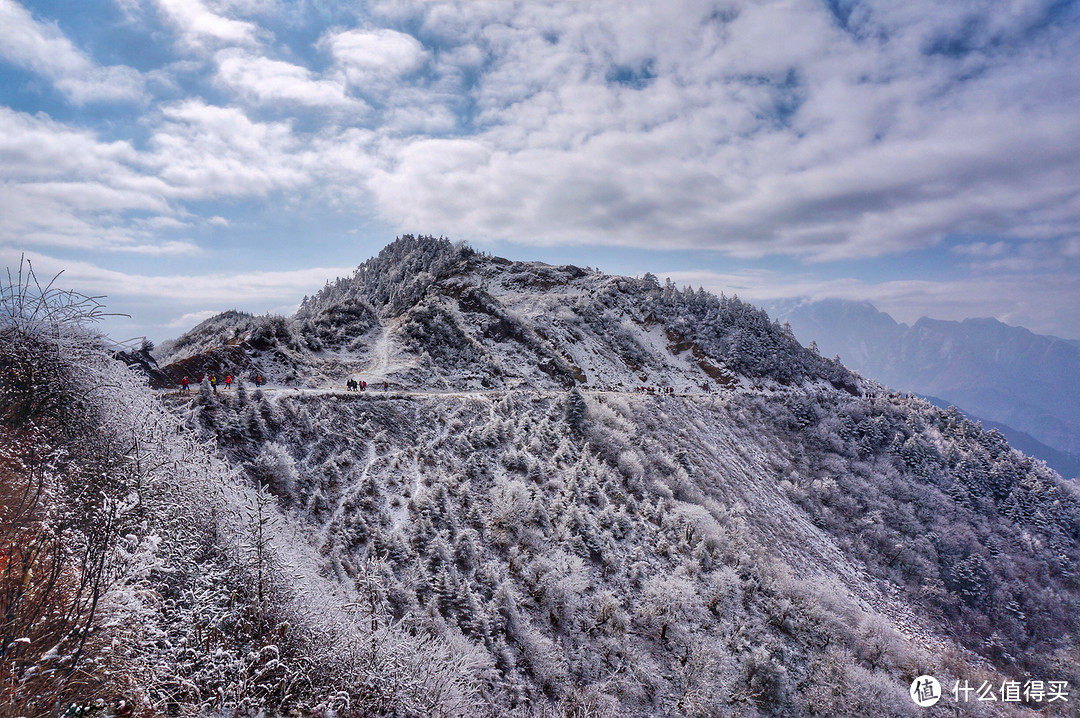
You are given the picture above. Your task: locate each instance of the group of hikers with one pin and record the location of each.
(654, 390)
(212, 380)
(354, 385)
(361, 385)
(258, 379)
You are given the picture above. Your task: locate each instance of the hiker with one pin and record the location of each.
(213, 383)
(259, 381)
(385, 386)
(228, 381)
(363, 385)
(184, 384)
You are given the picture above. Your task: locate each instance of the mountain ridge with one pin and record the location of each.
(440, 297)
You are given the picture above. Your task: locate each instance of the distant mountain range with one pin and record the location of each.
(1027, 385)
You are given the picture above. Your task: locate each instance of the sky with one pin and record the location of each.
(184, 157)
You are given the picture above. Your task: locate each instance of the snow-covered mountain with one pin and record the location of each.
(428, 314)
(1005, 374)
(511, 527)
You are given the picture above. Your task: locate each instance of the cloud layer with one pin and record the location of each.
(754, 128)
(42, 48)
(819, 132)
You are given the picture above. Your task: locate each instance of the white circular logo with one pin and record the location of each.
(925, 691)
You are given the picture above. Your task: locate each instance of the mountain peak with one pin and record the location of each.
(429, 313)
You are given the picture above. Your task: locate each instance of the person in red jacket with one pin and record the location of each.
(184, 384)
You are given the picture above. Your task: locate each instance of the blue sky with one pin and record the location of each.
(184, 157)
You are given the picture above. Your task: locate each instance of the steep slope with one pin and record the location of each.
(777, 537)
(1007, 374)
(649, 555)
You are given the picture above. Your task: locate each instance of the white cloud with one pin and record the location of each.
(200, 28)
(235, 289)
(34, 146)
(61, 186)
(981, 249)
(186, 321)
(462, 56)
(752, 128)
(161, 222)
(44, 49)
(263, 81)
(250, 7)
(420, 118)
(203, 151)
(370, 58)
(170, 248)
